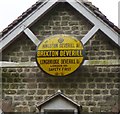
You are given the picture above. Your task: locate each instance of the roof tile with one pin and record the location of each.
(96, 11)
(93, 8)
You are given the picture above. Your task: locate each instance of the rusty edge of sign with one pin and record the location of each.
(5, 64)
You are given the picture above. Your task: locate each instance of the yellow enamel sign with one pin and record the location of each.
(60, 55)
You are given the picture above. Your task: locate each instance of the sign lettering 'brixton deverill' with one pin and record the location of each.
(60, 55)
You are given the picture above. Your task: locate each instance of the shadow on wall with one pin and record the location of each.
(7, 106)
(116, 108)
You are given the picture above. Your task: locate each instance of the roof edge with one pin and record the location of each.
(58, 93)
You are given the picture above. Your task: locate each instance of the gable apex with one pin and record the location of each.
(40, 8)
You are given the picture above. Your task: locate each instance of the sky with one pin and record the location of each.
(11, 9)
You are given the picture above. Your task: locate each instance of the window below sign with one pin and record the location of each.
(59, 104)
(59, 112)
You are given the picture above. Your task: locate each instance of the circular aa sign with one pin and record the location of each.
(59, 55)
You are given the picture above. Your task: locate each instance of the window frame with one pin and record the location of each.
(46, 111)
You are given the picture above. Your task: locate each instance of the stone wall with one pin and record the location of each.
(94, 87)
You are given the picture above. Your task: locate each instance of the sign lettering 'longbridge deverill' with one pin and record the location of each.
(60, 55)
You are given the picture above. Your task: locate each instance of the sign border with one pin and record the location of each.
(66, 74)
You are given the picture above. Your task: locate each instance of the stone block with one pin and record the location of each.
(88, 92)
(22, 109)
(57, 23)
(5, 86)
(88, 98)
(81, 80)
(65, 28)
(32, 59)
(42, 86)
(57, 28)
(82, 86)
(15, 75)
(91, 103)
(24, 59)
(95, 109)
(66, 17)
(4, 70)
(80, 91)
(23, 75)
(96, 92)
(99, 80)
(58, 32)
(14, 59)
(115, 70)
(85, 109)
(29, 53)
(39, 98)
(10, 92)
(117, 86)
(70, 91)
(117, 80)
(4, 79)
(51, 91)
(91, 85)
(114, 92)
(17, 80)
(75, 27)
(22, 86)
(101, 86)
(29, 98)
(10, 80)
(11, 70)
(53, 85)
(64, 23)
(5, 58)
(64, 85)
(73, 85)
(20, 54)
(105, 92)
(79, 98)
(33, 109)
(108, 80)
(19, 98)
(47, 27)
(41, 92)
(72, 23)
(27, 80)
(110, 86)
(90, 80)
(97, 98)
(21, 92)
(19, 70)
(32, 86)
(58, 18)
(31, 92)
(13, 86)
(107, 69)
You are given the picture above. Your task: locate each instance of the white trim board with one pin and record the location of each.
(5, 64)
(32, 37)
(9, 37)
(113, 35)
(90, 33)
(44, 7)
